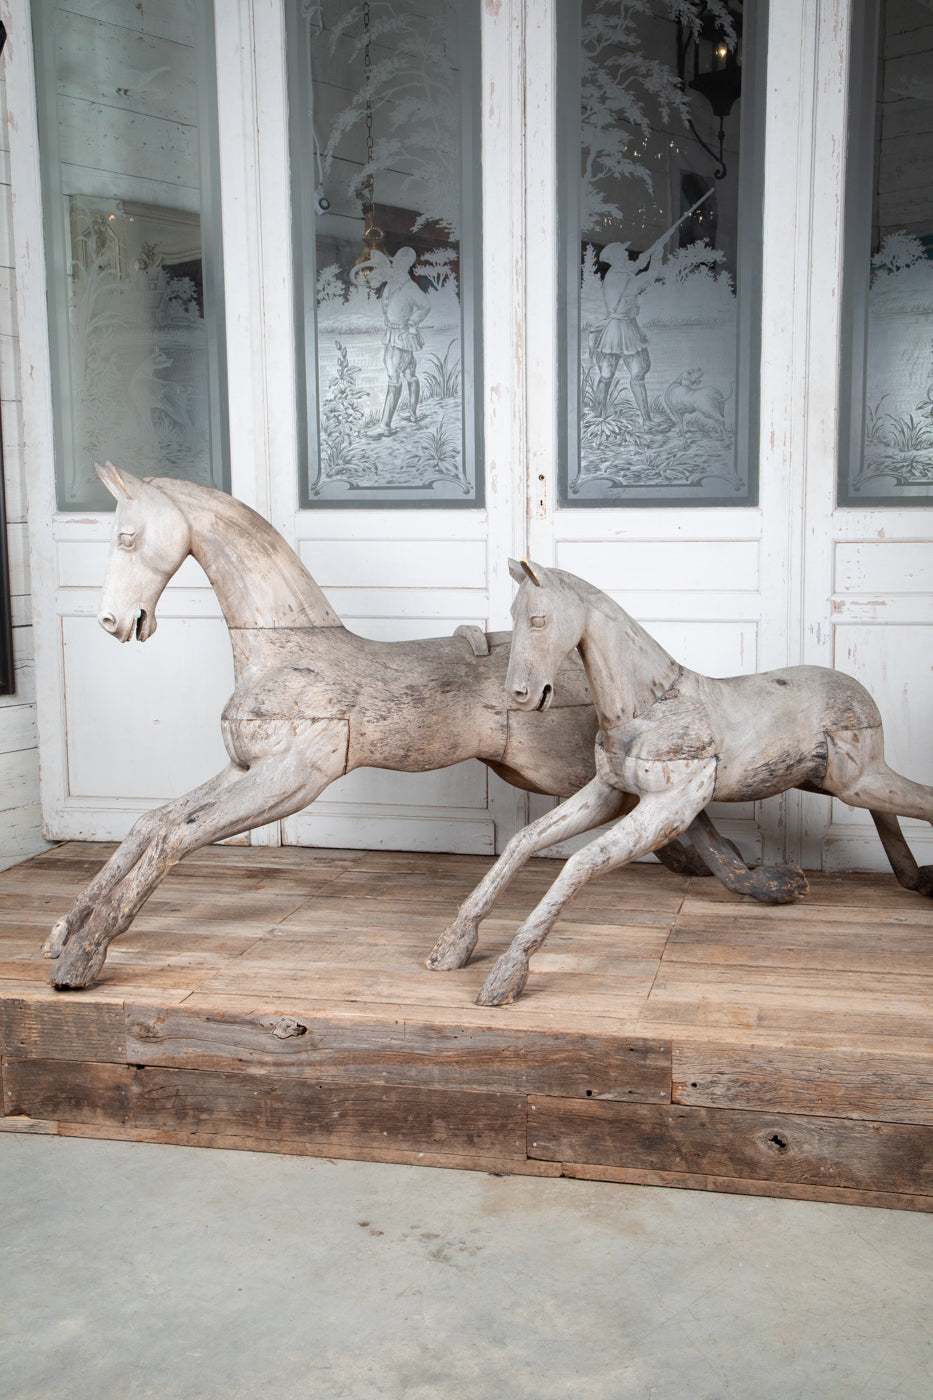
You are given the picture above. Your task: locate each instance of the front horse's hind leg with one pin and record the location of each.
(771, 884)
(657, 818)
(594, 804)
(273, 787)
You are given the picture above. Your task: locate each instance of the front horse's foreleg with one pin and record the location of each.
(659, 816)
(591, 806)
(274, 786)
(126, 855)
(772, 884)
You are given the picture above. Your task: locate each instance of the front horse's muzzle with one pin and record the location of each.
(140, 624)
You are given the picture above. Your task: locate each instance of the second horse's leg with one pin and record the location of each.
(590, 807)
(658, 817)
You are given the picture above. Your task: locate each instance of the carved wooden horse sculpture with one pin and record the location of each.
(678, 740)
(313, 701)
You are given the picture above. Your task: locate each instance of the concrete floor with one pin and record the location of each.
(131, 1270)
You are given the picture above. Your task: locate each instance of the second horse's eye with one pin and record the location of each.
(126, 539)
(539, 622)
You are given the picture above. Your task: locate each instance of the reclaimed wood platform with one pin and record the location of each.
(671, 1034)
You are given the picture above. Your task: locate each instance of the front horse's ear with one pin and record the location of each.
(534, 572)
(121, 485)
(515, 569)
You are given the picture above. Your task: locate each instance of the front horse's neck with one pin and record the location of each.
(259, 580)
(626, 668)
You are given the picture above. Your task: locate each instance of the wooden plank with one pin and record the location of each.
(882, 947)
(283, 1109)
(527, 1015)
(412, 1052)
(722, 1142)
(62, 1029)
(244, 1142)
(74, 1089)
(828, 1082)
(28, 1125)
(850, 1006)
(737, 1186)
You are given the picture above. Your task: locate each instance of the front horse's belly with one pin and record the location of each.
(264, 717)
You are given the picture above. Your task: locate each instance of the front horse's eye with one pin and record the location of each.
(539, 622)
(127, 539)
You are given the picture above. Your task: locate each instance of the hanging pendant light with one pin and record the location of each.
(716, 65)
(373, 236)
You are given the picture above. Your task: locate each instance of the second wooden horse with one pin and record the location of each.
(678, 740)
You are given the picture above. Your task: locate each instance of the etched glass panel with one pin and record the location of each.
(127, 127)
(386, 182)
(886, 455)
(659, 246)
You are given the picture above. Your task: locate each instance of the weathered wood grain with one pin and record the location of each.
(816, 1047)
(282, 1109)
(738, 1186)
(779, 1147)
(830, 1083)
(408, 1052)
(62, 1031)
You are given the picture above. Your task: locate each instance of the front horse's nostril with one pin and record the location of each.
(520, 692)
(107, 621)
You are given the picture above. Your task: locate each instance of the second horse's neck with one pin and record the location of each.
(258, 578)
(626, 668)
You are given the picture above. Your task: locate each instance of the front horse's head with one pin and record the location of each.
(548, 623)
(150, 538)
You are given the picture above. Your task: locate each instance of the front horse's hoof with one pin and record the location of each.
(505, 982)
(78, 968)
(454, 948)
(778, 884)
(58, 937)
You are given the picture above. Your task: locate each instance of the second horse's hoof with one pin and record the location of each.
(453, 949)
(505, 982)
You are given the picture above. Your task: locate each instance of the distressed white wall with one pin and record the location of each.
(20, 827)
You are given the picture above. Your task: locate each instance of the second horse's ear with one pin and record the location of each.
(515, 569)
(120, 484)
(534, 572)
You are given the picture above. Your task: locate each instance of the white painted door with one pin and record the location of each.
(727, 589)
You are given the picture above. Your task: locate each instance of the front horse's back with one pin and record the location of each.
(149, 541)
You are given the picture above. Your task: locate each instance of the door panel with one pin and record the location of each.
(145, 726)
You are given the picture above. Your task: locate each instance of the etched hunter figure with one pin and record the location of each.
(404, 307)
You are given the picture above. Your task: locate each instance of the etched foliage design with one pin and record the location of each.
(385, 82)
(127, 142)
(657, 312)
(896, 458)
(138, 341)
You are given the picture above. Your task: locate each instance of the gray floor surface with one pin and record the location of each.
(133, 1270)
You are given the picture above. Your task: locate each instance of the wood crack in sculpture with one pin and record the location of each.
(677, 740)
(313, 701)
